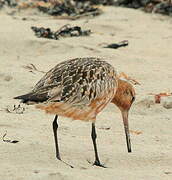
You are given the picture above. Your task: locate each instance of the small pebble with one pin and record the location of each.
(36, 171)
(167, 102)
(167, 172)
(146, 101)
(8, 78)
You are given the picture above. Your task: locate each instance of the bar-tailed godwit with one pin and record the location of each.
(79, 89)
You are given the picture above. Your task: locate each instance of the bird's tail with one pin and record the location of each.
(32, 97)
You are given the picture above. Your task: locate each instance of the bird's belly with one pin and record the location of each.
(87, 113)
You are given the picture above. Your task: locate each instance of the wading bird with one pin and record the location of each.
(79, 89)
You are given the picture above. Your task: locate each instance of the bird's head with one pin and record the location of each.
(124, 96)
(123, 99)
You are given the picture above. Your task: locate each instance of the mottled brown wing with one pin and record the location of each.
(83, 87)
(83, 100)
(79, 81)
(76, 82)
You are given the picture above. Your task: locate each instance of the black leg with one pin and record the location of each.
(94, 136)
(55, 127)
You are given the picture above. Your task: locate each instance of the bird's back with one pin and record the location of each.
(78, 84)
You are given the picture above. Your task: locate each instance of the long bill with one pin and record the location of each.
(126, 128)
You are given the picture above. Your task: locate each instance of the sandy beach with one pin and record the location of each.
(148, 59)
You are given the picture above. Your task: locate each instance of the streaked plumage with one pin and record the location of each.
(79, 89)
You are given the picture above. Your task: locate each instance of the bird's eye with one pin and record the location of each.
(133, 99)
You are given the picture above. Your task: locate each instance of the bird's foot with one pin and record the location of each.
(59, 158)
(97, 163)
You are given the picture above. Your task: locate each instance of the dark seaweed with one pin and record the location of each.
(65, 31)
